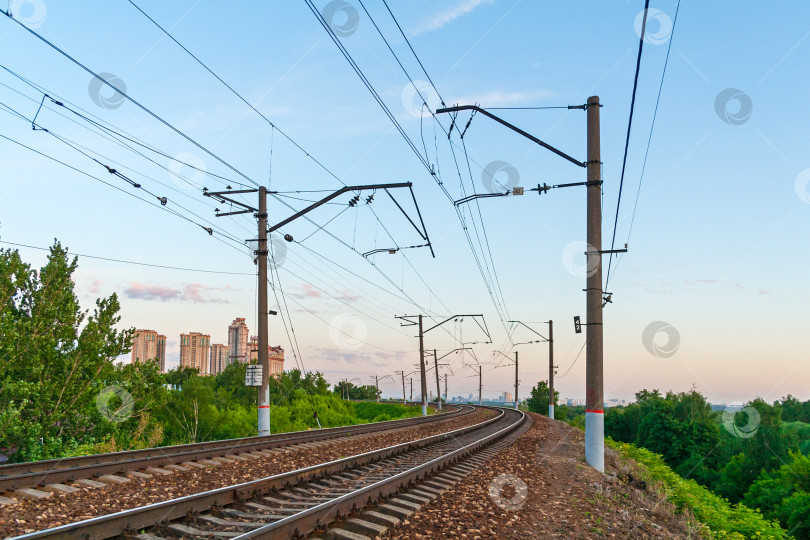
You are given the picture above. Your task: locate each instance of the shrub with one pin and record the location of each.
(722, 520)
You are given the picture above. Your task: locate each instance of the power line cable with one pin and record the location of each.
(627, 138)
(412, 50)
(425, 105)
(130, 99)
(276, 127)
(649, 139)
(123, 261)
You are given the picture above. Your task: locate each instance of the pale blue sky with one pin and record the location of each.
(717, 248)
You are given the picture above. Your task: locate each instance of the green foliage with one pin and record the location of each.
(794, 410)
(348, 390)
(784, 494)
(722, 519)
(538, 401)
(380, 412)
(705, 446)
(62, 395)
(56, 360)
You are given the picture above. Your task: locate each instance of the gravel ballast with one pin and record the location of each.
(63, 508)
(541, 487)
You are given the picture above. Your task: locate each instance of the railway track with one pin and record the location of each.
(52, 475)
(393, 481)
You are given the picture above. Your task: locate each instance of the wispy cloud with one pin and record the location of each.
(440, 18)
(188, 292)
(706, 280)
(308, 291)
(376, 358)
(95, 286)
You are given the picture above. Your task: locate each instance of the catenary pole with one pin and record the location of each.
(516, 380)
(438, 388)
(261, 253)
(551, 369)
(594, 398)
(422, 367)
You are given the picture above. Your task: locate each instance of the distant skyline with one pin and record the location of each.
(712, 291)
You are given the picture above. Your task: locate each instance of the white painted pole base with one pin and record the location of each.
(424, 409)
(264, 415)
(551, 411)
(595, 440)
(516, 405)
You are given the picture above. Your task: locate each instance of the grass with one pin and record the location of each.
(720, 518)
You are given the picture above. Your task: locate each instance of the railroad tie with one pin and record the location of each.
(59, 488)
(192, 531)
(87, 483)
(30, 494)
(113, 479)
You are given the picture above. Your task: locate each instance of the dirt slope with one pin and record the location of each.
(561, 497)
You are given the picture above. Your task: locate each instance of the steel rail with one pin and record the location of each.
(38, 473)
(118, 523)
(306, 521)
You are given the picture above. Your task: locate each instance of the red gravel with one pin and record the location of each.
(62, 508)
(565, 498)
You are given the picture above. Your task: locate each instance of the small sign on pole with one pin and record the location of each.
(517, 190)
(253, 375)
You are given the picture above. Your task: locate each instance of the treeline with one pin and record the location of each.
(758, 455)
(61, 393)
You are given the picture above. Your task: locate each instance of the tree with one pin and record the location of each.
(538, 401)
(784, 494)
(55, 359)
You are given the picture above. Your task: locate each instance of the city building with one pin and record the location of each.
(506, 397)
(195, 351)
(146, 346)
(219, 358)
(161, 352)
(238, 346)
(275, 355)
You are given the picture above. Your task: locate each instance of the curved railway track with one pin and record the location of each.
(310, 500)
(59, 471)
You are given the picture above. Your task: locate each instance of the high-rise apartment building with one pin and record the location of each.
(275, 355)
(161, 352)
(219, 358)
(238, 346)
(195, 351)
(144, 346)
(149, 345)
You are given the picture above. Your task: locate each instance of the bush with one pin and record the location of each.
(722, 520)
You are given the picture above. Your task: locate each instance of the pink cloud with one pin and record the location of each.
(706, 280)
(760, 291)
(348, 296)
(190, 292)
(310, 291)
(95, 286)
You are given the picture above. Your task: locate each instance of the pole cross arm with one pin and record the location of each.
(474, 317)
(469, 198)
(223, 196)
(530, 328)
(513, 128)
(422, 232)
